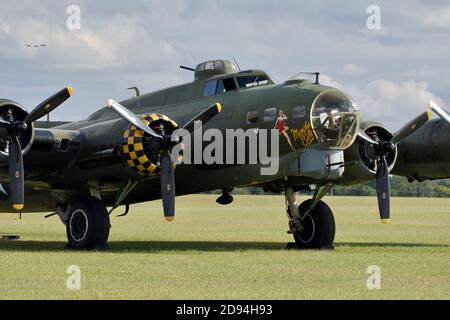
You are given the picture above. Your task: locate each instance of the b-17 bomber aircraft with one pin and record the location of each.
(137, 150)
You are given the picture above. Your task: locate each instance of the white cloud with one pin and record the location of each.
(439, 19)
(329, 81)
(354, 69)
(388, 102)
(5, 27)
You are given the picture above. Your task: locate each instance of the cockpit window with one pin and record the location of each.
(210, 88)
(219, 86)
(226, 85)
(253, 81)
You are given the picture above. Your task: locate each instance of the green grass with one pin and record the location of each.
(235, 252)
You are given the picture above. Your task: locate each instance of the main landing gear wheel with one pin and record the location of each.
(317, 227)
(88, 225)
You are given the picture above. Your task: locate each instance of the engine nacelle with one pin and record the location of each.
(426, 153)
(360, 153)
(12, 110)
(142, 152)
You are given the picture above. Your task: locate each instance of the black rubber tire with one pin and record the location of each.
(88, 225)
(320, 227)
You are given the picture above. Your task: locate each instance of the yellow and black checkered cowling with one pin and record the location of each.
(137, 155)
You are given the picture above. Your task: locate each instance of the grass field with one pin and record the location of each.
(235, 252)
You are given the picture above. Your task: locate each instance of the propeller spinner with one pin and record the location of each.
(166, 144)
(381, 150)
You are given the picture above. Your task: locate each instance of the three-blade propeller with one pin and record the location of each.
(167, 142)
(11, 130)
(440, 112)
(381, 150)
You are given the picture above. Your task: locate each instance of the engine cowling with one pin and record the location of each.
(142, 152)
(361, 154)
(425, 155)
(12, 110)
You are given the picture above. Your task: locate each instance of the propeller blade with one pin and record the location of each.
(168, 187)
(411, 127)
(49, 105)
(366, 137)
(131, 118)
(440, 112)
(204, 116)
(383, 190)
(15, 163)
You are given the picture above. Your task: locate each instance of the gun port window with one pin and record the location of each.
(209, 65)
(219, 65)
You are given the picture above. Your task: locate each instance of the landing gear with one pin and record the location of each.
(312, 222)
(88, 225)
(318, 227)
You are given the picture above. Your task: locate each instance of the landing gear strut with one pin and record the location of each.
(312, 222)
(87, 225)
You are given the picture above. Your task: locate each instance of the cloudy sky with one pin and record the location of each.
(391, 72)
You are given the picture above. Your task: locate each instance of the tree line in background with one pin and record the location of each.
(400, 187)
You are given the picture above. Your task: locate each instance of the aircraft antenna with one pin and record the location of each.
(237, 64)
(136, 90)
(317, 74)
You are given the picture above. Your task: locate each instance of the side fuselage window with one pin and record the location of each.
(270, 114)
(252, 117)
(299, 112)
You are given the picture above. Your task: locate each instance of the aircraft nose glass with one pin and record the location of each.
(335, 119)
